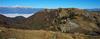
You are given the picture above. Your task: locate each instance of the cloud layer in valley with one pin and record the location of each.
(14, 15)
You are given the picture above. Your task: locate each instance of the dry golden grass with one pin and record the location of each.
(38, 34)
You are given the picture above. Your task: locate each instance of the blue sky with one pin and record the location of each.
(81, 4)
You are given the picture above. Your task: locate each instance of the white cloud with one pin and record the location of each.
(14, 15)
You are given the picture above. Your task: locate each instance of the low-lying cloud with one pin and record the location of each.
(14, 15)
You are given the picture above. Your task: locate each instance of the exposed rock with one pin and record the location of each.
(0, 30)
(93, 33)
(63, 28)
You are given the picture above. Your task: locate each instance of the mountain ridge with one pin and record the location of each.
(19, 9)
(93, 9)
(64, 20)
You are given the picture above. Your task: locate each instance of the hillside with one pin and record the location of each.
(68, 20)
(40, 20)
(6, 18)
(18, 18)
(11, 22)
(40, 34)
(64, 20)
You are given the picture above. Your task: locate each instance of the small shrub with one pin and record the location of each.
(59, 10)
(53, 37)
(55, 20)
(45, 9)
(95, 17)
(45, 19)
(59, 28)
(15, 27)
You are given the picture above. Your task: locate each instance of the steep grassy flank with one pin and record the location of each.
(65, 20)
(40, 20)
(40, 34)
(76, 20)
(6, 24)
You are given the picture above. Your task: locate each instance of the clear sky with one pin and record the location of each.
(81, 4)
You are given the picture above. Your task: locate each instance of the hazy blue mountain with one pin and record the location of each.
(19, 10)
(94, 9)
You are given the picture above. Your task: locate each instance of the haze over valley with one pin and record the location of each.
(25, 11)
(18, 11)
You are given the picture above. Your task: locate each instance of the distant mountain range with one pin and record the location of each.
(19, 10)
(94, 9)
(26, 10)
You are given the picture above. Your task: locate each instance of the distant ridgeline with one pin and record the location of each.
(19, 10)
(95, 9)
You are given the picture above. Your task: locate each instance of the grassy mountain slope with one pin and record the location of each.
(10, 22)
(40, 34)
(67, 23)
(76, 20)
(40, 20)
(65, 20)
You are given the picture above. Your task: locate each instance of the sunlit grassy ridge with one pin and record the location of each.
(40, 34)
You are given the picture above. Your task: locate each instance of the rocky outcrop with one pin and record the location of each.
(76, 20)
